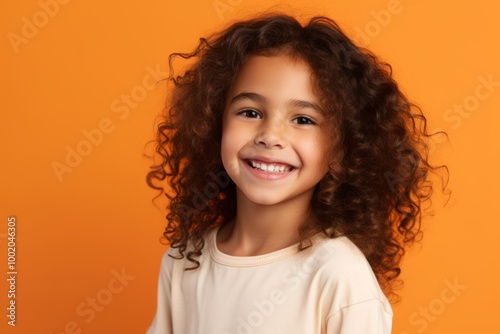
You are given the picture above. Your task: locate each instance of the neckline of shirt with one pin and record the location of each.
(250, 261)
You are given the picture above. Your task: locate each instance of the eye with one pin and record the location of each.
(250, 113)
(303, 120)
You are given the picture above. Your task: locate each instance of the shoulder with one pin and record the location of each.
(339, 260)
(334, 254)
(345, 274)
(167, 260)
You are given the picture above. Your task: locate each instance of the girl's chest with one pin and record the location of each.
(221, 299)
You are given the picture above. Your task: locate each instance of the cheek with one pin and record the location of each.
(315, 151)
(225, 147)
(230, 147)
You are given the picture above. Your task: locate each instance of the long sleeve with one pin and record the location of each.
(368, 317)
(162, 322)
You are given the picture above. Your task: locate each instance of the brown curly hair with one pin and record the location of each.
(373, 192)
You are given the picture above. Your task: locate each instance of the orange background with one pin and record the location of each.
(75, 233)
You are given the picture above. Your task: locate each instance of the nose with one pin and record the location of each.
(271, 135)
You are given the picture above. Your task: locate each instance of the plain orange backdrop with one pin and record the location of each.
(78, 69)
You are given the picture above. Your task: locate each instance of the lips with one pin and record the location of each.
(269, 167)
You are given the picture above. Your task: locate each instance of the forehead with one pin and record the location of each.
(275, 77)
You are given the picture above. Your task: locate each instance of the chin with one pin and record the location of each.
(267, 199)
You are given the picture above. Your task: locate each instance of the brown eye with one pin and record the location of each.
(303, 120)
(250, 113)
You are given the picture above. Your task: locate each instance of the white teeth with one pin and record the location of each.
(270, 168)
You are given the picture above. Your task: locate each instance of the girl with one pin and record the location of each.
(296, 170)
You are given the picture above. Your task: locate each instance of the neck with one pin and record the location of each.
(260, 229)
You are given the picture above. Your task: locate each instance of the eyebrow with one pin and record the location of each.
(262, 100)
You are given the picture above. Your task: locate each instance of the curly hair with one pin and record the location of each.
(374, 190)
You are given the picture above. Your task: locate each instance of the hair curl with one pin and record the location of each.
(378, 181)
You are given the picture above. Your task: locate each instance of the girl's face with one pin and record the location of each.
(274, 141)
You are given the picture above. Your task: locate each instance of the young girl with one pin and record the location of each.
(296, 170)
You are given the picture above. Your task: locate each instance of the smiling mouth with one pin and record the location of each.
(269, 167)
